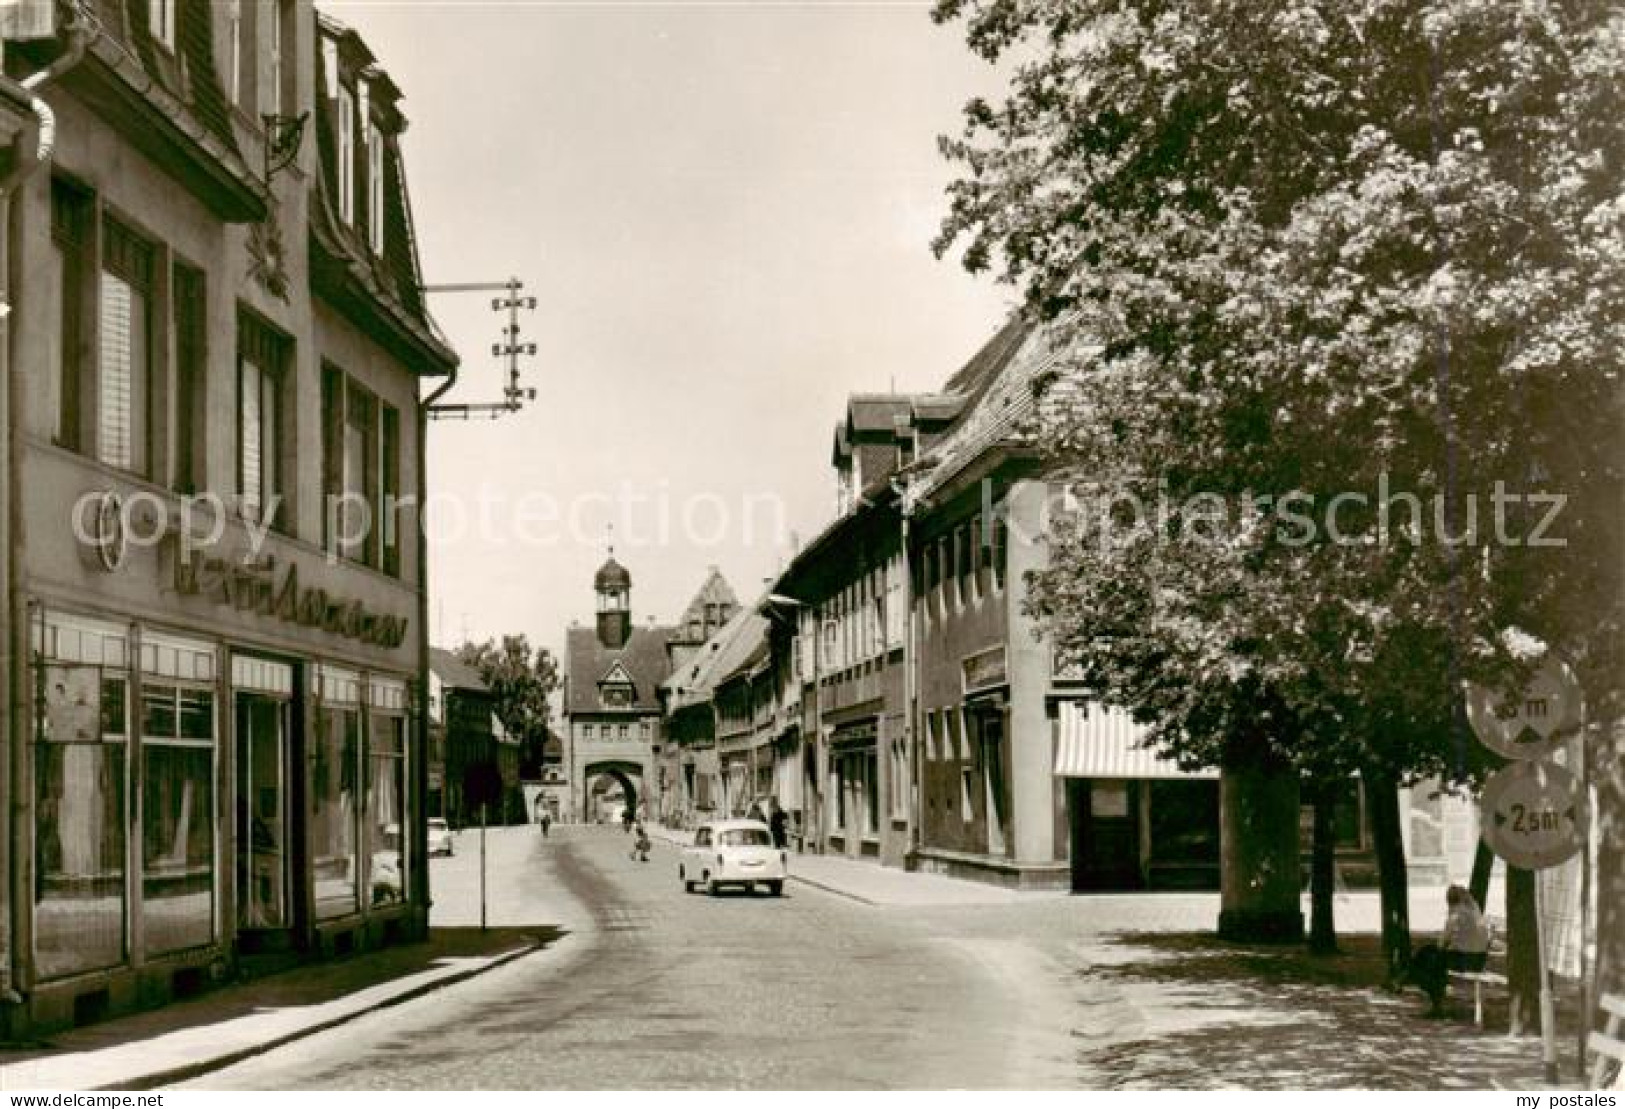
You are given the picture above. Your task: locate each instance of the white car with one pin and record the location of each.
(439, 837)
(733, 853)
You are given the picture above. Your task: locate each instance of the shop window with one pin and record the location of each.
(80, 823)
(177, 806)
(263, 356)
(335, 797)
(386, 809)
(1184, 822)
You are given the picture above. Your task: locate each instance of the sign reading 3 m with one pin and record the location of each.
(1532, 723)
(1533, 815)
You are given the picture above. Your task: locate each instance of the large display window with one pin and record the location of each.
(81, 767)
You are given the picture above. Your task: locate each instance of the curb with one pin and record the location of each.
(197, 1068)
(836, 890)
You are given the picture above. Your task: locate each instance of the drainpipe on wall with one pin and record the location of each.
(13, 621)
(911, 687)
(420, 772)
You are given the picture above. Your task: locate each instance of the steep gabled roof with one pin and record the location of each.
(724, 653)
(694, 625)
(454, 673)
(587, 660)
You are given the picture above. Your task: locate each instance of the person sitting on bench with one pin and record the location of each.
(1466, 933)
(1463, 947)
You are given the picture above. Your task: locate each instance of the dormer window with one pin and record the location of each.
(615, 688)
(161, 21)
(346, 174)
(271, 95)
(375, 188)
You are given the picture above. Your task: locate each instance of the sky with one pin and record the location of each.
(724, 211)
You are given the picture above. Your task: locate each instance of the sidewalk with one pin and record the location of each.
(189, 1038)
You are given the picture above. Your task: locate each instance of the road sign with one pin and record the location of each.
(1532, 815)
(1533, 724)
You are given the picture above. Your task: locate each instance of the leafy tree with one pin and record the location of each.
(523, 680)
(1292, 249)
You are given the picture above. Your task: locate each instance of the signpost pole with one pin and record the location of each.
(1548, 1010)
(482, 867)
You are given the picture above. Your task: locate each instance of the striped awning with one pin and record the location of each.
(1093, 741)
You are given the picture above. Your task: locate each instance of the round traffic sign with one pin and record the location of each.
(1531, 724)
(1533, 815)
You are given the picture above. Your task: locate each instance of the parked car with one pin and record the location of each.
(387, 886)
(733, 853)
(439, 837)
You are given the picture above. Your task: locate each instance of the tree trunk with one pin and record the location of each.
(1523, 954)
(1260, 870)
(1323, 872)
(1606, 746)
(1479, 884)
(1382, 806)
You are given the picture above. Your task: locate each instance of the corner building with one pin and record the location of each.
(214, 718)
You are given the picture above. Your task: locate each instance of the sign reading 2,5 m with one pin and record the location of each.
(1533, 815)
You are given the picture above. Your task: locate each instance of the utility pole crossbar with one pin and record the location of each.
(513, 395)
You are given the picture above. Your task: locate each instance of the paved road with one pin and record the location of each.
(654, 988)
(658, 988)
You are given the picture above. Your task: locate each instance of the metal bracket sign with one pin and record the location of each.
(1533, 815)
(1532, 724)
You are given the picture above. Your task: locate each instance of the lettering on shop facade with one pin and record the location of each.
(268, 589)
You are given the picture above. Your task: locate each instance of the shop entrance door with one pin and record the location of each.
(262, 807)
(1104, 816)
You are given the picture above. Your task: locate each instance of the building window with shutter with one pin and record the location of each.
(361, 473)
(73, 215)
(262, 357)
(191, 374)
(124, 360)
(389, 494)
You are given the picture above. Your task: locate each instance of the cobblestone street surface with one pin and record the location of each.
(655, 988)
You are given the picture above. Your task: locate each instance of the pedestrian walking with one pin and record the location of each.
(546, 822)
(778, 823)
(640, 845)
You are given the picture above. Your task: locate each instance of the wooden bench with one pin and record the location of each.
(1607, 1046)
(1478, 979)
